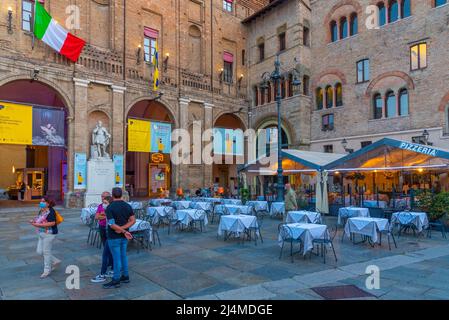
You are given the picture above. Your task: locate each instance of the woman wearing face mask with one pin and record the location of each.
(45, 224)
(107, 256)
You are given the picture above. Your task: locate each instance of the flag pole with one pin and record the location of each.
(33, 17)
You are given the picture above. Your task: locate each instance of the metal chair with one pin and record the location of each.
(199, 220)
(323, 243)
(286, 235)
(436, 224)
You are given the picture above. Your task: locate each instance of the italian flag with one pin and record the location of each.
(49, 31)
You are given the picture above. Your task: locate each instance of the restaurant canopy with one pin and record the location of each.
(293, 161)
(391, 154)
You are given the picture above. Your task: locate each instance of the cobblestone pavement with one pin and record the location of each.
(193, 265)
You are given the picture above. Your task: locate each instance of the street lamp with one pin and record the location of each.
(344, 143)
(425, 136)
(276, 76)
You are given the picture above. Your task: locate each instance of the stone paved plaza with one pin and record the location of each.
(197, 265)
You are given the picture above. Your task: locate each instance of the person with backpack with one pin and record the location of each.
(46, 224)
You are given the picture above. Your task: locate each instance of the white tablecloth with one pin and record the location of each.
(236, 223)
(303, 217)
(142, 225)
(259, 206)
(350, 212)
(277, 208)
(158, 202)
(214, 200)
(156, 213)
(235, 209)
(374, 204)
(366, 226)
(87, 214)
(136, 205)
(400, 204)
(418, 219)
(180, 205)
(186, 216)
(206, 206)
(236, 202)
(307, 232)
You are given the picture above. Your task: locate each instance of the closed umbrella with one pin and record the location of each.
(318, 193)
(324, 197)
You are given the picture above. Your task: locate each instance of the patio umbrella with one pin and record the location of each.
(318, 194)
(324, 197)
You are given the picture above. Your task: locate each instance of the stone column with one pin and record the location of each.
(118, 120)
(181, 179)
(81, 136)
(208, 124)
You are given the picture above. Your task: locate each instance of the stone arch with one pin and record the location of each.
(444, 103)
(51, 84)
(162, 101)
(271, 118)
(330, 15)
(339, 74)
(237, 116)
(397, 74)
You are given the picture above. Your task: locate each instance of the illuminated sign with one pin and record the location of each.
(418, 148)
(157, 157)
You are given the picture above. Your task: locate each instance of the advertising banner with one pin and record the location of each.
(48, 127)
(139, 135)
(160, 137)
(118, 164)
(80, 171)
(228, 141)
(16, 123)
(219, 136)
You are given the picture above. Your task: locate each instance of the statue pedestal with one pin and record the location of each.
(100, 178)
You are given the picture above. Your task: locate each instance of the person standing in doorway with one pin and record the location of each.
(120, 217)
(45, 224)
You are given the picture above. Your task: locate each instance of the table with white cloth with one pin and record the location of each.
(236, 209)
(350, 212)
(417, 219)
(144, 227)
(366, 226)
(213, 200)
(400, 204)
(159, 202)
(186, 216)
(375, 204)
(87, 214)
(303, 217)
(277, 208)
(206, 206)
(136, 205)
(181, 205)
(259, 206)
(158, 213)
(237, 224)
(235, 202)
(306, 232)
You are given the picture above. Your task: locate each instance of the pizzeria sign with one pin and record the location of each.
(418, 148)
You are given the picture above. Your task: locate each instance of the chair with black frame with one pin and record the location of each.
(286, 235)
(142, 237)
(376, 212)
(94, 229)
(200, 216)
(322, 243)
(389, 234)
(436, 224)
(406, 224)
(216, 205)
(256, 229)
(154, 228)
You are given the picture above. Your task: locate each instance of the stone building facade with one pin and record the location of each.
(112, 79)
(394, 79)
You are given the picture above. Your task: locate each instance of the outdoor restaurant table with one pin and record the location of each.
(303, 217)
(180, 205)
(206, 206)
(156, 213)
(349, 212)
(236, 223)
(86, 215)
(159, 202)
(186, 216)
(236, 202)
(374, 204)
(136, 205)
(235, 209)
(366, 226)
(277, 208)
(214, 200)
(259, 206)
(400, 203)
(306, 232)
(142, 225)
(418, 219)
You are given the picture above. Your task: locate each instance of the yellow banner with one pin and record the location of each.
(139, 135)
(16, 123)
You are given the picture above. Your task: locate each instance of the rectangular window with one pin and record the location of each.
(327, 122)
(227, 5)
(227, 72)
(439, 3)
(261, 51)
(418, 56)
(27, 15)
(328, 148)
(243, 57)
(149, 44)
(363, 74)
(282, 44)
(306, 37)
(365, 143)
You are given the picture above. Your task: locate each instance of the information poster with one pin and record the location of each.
(139, 135)
(228, 141)
(48, 127)
(16, 123)
(160, 137)
(118, 164)
(80, 171)
(158, 178)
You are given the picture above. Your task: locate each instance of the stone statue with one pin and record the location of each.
(100, 141)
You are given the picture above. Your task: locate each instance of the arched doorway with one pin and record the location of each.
(224, 169)
(34, 163)
(149, 172)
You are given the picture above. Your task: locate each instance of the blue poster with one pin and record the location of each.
(219, 135)
(48, 127)
(118, 165)
(80, 171)
(238, 142)
(228, 141)
(160, 137)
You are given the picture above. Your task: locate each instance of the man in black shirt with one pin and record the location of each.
(120, 218)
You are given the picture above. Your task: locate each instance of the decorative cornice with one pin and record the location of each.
(81, 82)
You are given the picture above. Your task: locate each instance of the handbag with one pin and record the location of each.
(59, 218)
